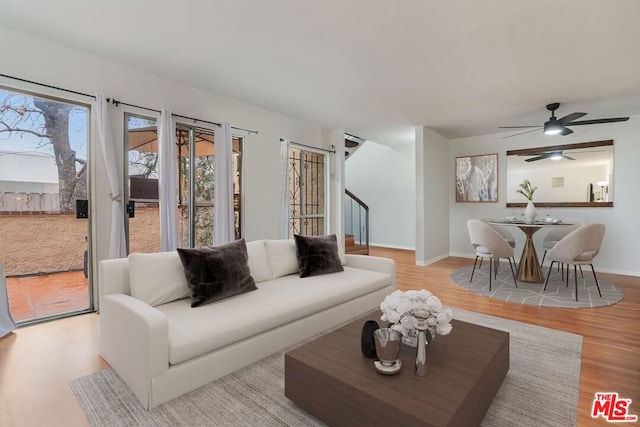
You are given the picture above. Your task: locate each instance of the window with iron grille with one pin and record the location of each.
(307, 192)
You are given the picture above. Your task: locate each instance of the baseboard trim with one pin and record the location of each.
(424, 263)
(462, 255)
(384, 245)
(620, 272)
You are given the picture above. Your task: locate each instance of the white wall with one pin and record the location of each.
(44, 62)
(384, 178)
(433, 189)
(621, 244)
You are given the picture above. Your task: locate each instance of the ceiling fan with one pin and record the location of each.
(555, 126)
(553, 155)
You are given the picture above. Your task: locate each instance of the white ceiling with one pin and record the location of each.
(374, 67)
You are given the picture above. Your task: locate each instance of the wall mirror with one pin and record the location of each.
(572, 175)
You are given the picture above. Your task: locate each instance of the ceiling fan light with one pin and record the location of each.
(552, 127)
(556, 156)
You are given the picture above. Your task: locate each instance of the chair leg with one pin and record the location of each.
(490, 272)
(544, 255)
(575, 279)
(596, 279)
(581, 273)
(566, 283)
(515, 265)
(474, 268)
(548, 274)
(513, 272)
(496, 263)
(481, 259)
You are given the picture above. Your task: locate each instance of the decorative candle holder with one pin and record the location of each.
(421, 316)
(387, 343)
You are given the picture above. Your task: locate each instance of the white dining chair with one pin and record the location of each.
(489, 243)
(579, 247)
(557, 234)
(506, 234)
(554, 236)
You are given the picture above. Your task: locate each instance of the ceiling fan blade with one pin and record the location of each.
(517, 127)
(568, 157)
(598, 121)
(566, 131)
(526, 131)
(570, 117)
(540, 157)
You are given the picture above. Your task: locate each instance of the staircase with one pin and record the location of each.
(353, 248)
(351, 144)
(356, 239)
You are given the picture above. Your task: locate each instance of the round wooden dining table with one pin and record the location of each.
(529, 268)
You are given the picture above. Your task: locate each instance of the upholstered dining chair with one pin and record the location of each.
(579, 247)
(489, 243)
(502, 230)
(556, 234)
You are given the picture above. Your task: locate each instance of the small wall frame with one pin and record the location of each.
(477, 178)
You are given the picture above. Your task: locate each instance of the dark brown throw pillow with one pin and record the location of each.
(317, 255)
(217, 272)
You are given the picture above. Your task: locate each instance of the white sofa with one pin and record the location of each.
(166, 350)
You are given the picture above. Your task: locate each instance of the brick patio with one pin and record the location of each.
(47, 294)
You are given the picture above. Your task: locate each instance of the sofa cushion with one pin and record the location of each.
(341, 254)
(317, 255)
(282, 257)
(193, 333)
(157, 278)
(217, 272)
(258, 261)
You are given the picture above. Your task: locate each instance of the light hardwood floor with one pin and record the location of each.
(37, 362)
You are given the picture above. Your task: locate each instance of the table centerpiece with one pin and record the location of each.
(398, 309)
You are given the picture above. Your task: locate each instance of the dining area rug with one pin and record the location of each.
(557, 294)
(546, 395)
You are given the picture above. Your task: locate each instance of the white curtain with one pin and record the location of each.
(284, 189)
(167, 184)
(223, 189)
(116, 232)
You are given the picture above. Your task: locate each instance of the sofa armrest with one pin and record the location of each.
(373, 263)
(134, 340)
(113, 277)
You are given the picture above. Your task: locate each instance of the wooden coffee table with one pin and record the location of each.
(329, 378)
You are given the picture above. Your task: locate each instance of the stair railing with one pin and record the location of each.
(356, 213)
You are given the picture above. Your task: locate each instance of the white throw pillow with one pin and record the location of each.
(157, 278)
(258, 261)
(282, 256)
(341, 254)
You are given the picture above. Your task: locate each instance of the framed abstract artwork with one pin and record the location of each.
(477, 178)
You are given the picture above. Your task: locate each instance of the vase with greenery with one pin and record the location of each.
(527, 190)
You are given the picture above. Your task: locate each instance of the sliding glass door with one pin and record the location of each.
(195, 154)
(143, 227)
(43, 174)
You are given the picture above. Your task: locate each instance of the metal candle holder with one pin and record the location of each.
(421, 316)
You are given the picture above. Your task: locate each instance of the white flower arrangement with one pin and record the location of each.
(398, 308)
